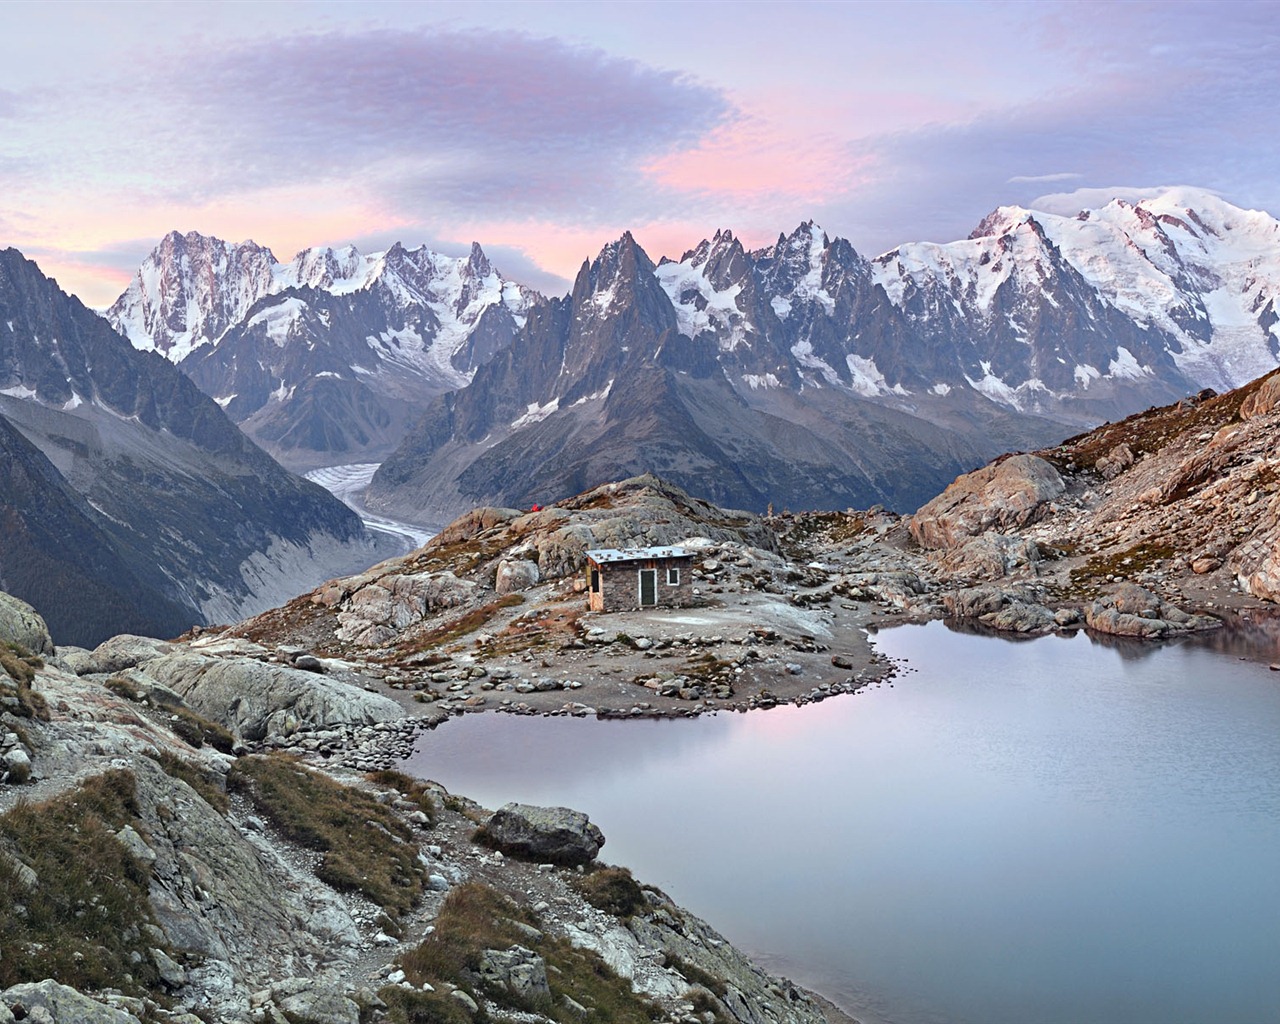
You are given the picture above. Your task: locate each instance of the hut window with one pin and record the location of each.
(595, 581)
(673, 576)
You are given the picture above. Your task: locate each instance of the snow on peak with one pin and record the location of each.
(192, 289)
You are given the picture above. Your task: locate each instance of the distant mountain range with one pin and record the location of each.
(327, 358)
(129, 501)
(801, 374)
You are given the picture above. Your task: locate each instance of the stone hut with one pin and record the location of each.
(626, 579)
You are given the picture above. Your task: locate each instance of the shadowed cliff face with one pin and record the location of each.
(55, 555)
(157, 493)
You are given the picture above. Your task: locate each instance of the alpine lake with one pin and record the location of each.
(1048, 831)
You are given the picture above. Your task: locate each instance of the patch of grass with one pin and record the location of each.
(204, 782)
(474, 918)
(82, 922)
(411, 789)
(695, 975)
(466, 624)
(16, 695)
(366, 848)
(408, 1007)
(1128, 562)
(124, 689)
(198, 730)
(1150, 431)
(612, 890)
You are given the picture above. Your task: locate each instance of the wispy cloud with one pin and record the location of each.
(1022, 179)
(454, 119)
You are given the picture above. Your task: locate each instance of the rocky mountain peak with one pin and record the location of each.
(1001, 221)
(477, 262)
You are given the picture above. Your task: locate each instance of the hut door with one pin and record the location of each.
(648, 587)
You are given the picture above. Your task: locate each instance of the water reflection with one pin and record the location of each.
(1047, 832)
(1255, 635)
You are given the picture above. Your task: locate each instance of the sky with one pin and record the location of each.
(545, 130)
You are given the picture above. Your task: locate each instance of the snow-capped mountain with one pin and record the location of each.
(130, 500)
(1034, 326)
(1195, 278)
(605, 383)
(1081, 318)
(322, 358)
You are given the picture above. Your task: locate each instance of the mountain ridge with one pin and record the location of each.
(208, 521)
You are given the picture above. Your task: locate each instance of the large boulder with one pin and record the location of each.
(22, 624)
(521, 971)
(380, 609)
(514, 575)
(991, 556)
(1256, 562)
(1131, 610)
(1009, 611)
(1000, 496)
(125, 651)
(308, 1000)
(557, 835)
(260, 701)
(60, 1005)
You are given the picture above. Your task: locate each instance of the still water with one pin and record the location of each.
(1049, 831)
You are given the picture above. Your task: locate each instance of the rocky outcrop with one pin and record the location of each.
(1263, 401)
(1115, 462)
(1135, 611)
(1013, 492)
(47, 1002)
(264, 702)
(22, 624)
(521, 971)
(991, 556)
(245, 911)
(515, 575)
(1257, 568)
(555, 835)
(1011, 611)
(746, 993)
(380, 608)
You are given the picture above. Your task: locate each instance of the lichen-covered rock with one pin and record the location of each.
(22, 624)
(260, 701)
(1011, 493)
(557, 835)
(61, 1004)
